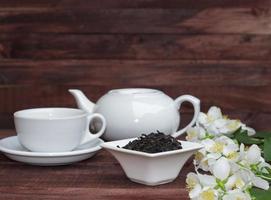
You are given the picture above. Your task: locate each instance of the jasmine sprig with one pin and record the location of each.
(233, 170)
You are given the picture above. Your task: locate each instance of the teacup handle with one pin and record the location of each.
(196, 104)
(90, 117)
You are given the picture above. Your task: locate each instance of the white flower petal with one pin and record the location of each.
(229, 149)
(231, 182)
(242, 151)
(225, 140)
(233, 125)
(236, 195)
(202, 118)
(192, 179)
(253, 154)
(203, 151)
(194, 193)
(245, 175)
(204, 166)
(213, 130)
(222, 169)
(214, 113)
(213, 155)
(250, 131)
(192, 134)
(234, 167)
(201, 133)
(220, 123)
(225, 130)
(207, 180)
(211, 163)
(208, 144)
(208, 193)
(260, 183)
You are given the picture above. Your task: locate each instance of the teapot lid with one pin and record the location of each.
(135, 91)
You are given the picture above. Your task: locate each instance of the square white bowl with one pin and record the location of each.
(151, 168)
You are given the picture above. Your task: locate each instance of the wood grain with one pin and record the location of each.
(120, 46)
(150, 73)
(228, 84)
(105, 4)
(175, 77)
(82, 20)
(216, 50)
(23, 97)
(100, 177)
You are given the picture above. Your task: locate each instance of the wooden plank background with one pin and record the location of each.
(219, 51)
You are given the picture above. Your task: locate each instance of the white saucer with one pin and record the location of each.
(11, 147)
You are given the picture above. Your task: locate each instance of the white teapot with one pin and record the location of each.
(133, 111)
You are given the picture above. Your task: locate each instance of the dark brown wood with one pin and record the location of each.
(150, 73)
(217, 50)
(121, 46)
(49, 84)
(243, 85)
(102, 4)
(82, 20)
(148, 41)
(100, 177)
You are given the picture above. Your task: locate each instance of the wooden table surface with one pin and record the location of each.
(99, 177)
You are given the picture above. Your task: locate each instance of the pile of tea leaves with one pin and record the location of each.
(154, 143)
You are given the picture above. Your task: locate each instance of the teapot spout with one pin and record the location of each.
(82, 101)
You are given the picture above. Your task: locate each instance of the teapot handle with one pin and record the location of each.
(196, 104)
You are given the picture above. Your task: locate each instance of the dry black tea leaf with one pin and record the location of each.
(154, 143)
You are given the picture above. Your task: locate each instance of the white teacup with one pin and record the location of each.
(54, 129)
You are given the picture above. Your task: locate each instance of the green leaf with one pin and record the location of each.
(260, 194)
(265, 176)
(268, 169)
(267, 149)
(262, 134)
(237, 131)
(261, 146)
(242, 137)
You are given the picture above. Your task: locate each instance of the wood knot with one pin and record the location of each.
(4, 51)
(246, 38)
(260, 11)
